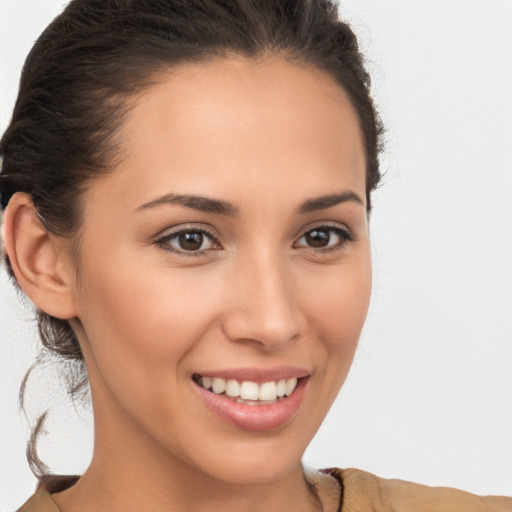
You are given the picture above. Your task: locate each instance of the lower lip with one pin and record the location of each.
(254, 417)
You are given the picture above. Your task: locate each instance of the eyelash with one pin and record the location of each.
(346, 236)
(165, 241)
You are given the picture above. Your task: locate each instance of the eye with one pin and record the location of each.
(325, 238)
(189, 241)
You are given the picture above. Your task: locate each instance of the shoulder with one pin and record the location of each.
(42, 500)
(364, 492)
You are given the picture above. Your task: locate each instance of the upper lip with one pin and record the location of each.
(258, 375)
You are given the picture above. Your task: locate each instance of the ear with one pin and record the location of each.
(38, 259)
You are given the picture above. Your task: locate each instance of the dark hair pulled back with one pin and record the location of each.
(78, 80)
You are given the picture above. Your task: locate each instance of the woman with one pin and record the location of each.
(145, 218)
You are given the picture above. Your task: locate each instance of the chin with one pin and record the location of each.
(256, 462)
(254, 472)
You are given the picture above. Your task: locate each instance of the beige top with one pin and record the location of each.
(361, 492)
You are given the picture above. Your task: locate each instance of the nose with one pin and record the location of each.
(264, 307)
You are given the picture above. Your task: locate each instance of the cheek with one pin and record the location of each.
(141, 329)
(150, 309)
(339, 306)
(140, 323)
(338, 303)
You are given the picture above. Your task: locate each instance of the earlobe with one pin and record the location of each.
(37, 259)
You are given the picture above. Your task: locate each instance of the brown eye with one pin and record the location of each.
(317, 238)
(325, 237)
(189, 241)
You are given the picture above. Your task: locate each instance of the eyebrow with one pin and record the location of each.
(323, 202)
(220, 207)
(203, 204)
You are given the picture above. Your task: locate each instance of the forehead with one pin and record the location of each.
(244, 123)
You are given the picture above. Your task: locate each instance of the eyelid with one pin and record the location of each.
(163, 238)
(187, 226)
(326, 225)
(341, 230)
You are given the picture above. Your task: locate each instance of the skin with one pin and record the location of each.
(265, 136)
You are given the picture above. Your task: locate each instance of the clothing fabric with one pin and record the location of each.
(360, 492)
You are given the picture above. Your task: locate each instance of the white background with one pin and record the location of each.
(429, 397)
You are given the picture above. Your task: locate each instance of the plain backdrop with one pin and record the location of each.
(429, 397)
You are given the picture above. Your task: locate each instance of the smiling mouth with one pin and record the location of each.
(248, 392)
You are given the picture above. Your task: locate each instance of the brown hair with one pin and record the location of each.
(78, 78)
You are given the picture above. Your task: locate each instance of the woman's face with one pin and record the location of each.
(229, 248)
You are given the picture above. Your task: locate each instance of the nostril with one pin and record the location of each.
(252, 328)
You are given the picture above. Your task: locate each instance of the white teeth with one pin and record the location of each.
(267, 391)
(251, 391)
(249, 402)
(232, 388)
(281, 388)
(290, 386)
(218, 385)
